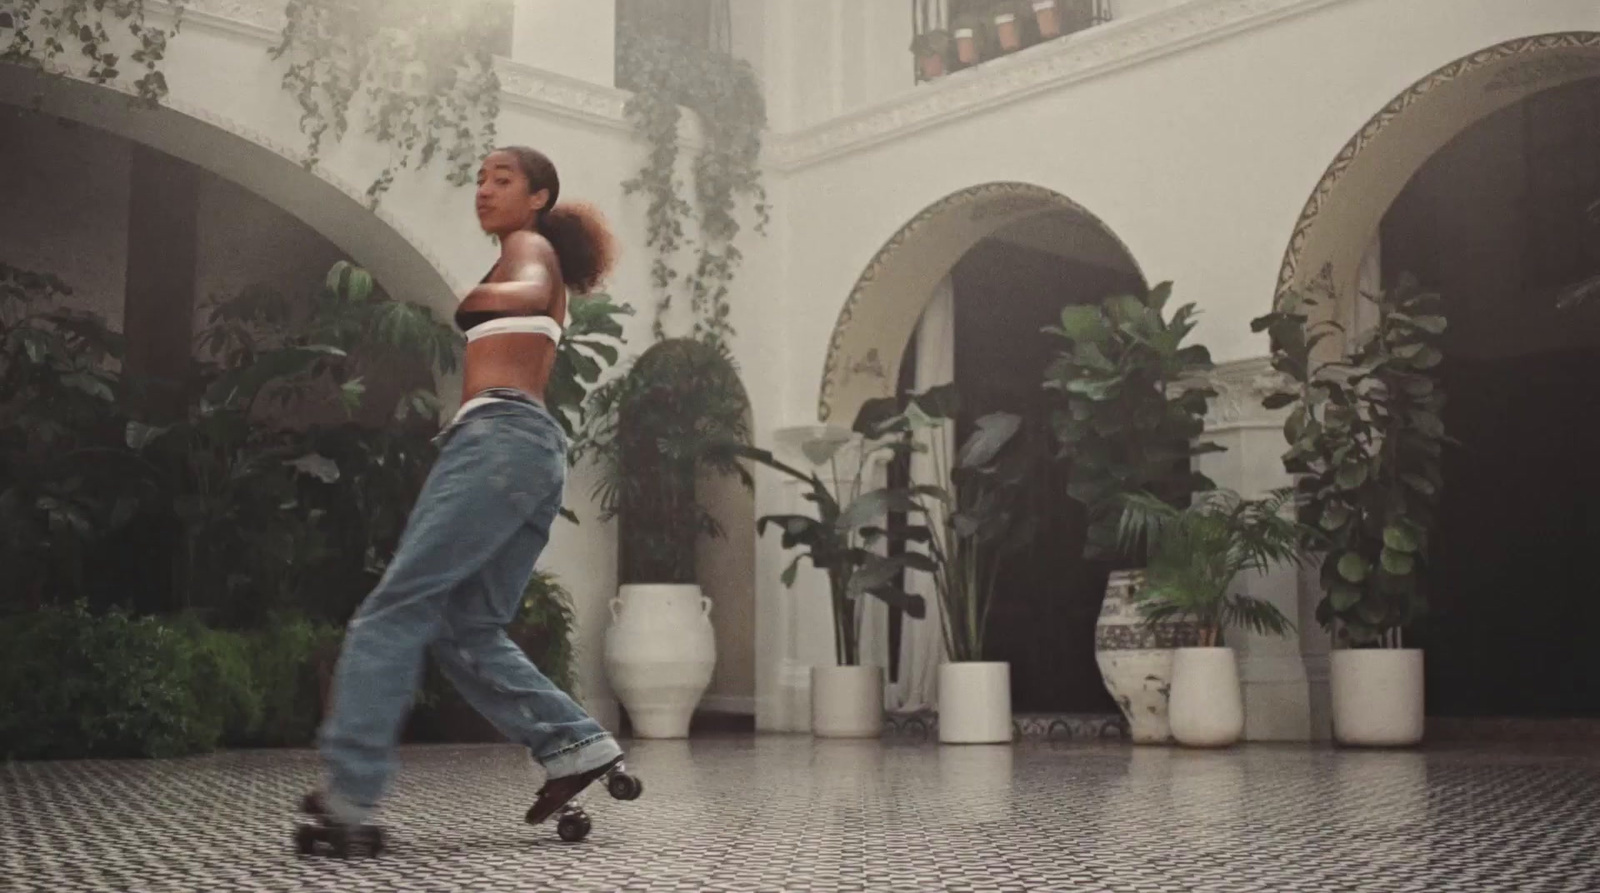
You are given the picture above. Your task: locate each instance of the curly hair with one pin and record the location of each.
(576, 230)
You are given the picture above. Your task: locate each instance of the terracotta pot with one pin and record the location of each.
(966, 46)
(932, 66)
(1009, 32)
(1048, 17)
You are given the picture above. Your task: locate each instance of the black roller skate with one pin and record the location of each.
(556, 798)
(341, 840)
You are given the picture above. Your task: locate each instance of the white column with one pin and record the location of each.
(1273, 669)
(922, 641)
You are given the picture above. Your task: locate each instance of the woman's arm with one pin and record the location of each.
(526, 260)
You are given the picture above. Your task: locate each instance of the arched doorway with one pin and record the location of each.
(962, 293)
(1477, 180)
(372, 238)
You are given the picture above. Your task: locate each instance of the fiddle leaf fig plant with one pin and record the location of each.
(1365, 435)
(1131, 410)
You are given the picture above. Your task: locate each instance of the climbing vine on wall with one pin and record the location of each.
(726, 96)
(39, 32)
(424, 71)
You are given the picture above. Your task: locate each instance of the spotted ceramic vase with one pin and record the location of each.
(1136, 659)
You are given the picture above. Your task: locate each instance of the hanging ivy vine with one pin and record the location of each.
(725, 95)
(425, 71)
(36, 33)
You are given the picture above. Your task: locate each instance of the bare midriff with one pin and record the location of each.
(521, 360)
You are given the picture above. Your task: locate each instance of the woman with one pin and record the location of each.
(480, 521)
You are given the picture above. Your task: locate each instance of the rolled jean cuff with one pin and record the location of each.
(591, 753)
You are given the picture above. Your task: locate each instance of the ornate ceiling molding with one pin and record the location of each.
(1049, 66)
(1088, 54)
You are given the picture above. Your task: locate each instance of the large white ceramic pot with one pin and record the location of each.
(1135, 660)
(1377, 696)
(659, 654)
(847, 702)
(975, 702)
(1207, 705)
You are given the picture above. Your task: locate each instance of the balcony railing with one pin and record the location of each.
(951, 35)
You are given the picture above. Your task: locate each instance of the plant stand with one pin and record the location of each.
(1207, 706)
(847, 702)
(1378, 696)
(975, 702)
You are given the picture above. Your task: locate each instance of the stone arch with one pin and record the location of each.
(887, 300)
(1328, 246)
(372, 238)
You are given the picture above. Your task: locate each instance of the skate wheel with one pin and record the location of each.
(305, 840)
(623, 786)
(573, 828)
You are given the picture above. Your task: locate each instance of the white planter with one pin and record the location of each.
(1136, 661)
(1207, 705)
(847, 702)
(1377, 696)
(659, 654)
(975, 702)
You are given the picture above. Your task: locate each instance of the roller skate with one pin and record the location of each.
(341, 840)
(557, 795)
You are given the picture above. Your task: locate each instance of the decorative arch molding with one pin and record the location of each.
(1331, 235)
(276, 172)
(883, 307)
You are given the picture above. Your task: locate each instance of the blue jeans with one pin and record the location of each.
(456, 581)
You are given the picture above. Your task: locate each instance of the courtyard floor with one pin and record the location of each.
(786, 813)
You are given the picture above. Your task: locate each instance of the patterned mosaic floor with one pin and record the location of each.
(787, 813)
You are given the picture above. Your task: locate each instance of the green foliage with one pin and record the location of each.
(277, 516)
(37, 33)
(726, 96)
(588, 347)
(1365, 435)
(61, 490)
(972, 514)
(838, 539)
(651, 432)
(77, 685)
(1197, 552)
(425, 70)
(1132, 411)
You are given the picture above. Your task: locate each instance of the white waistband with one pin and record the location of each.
(536, 325)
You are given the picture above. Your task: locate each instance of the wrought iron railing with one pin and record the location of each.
(950, 35)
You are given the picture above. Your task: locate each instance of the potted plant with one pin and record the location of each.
(931, 48)
(1196, 554)
(846, 697)
(1131, 418)
(1048, 18)
(968, 31)
(1007, 18)
(650, 431)
(973, 515)
(1366, 435)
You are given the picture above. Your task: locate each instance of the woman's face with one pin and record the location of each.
(503, 201)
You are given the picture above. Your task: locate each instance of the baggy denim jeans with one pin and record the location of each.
(456, 581)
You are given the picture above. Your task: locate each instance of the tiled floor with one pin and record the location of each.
(787, 813)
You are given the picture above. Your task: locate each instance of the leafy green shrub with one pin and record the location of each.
(288, 659)
(73, 684)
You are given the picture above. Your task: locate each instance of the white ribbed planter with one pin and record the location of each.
(1377, 696)
(847, 702)
(1207, 705)
(660, 651)
(975, 702)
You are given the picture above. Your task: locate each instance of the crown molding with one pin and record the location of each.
(1048, 66)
